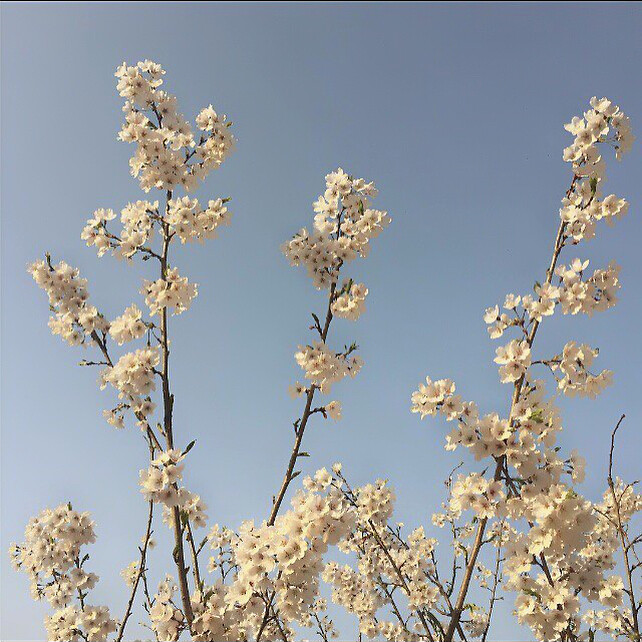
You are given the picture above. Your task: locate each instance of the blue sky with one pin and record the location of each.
(456, 111)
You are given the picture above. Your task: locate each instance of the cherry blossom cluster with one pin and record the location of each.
(167, 153)
(190, 222)
(128, 326)
(604, 123)
(167, 621)
(567, 564)
(574, 293)
(277, 564)
(281, 566)
(392, 588)
(73, 318)
(137, 221)
(160, 483)
(51, 557)
(350, 302)
(133, 375)
(574, 364)
(343, 226)
(514, 359)
(172, 291)
(323, 367)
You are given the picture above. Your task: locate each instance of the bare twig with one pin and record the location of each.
(139, 574)
(624, 541)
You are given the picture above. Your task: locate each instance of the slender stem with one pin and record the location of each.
(296, 448)
(400, 575)
(195, 567)
(168, 407)
(623, 539)
(493, 594)
(301, 425)
(139, 574)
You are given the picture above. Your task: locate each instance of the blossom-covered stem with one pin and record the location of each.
(289, 473)
(270, 614)
(455, 616)
(349, 495)
(517, 389)
(168, 406)
(301, 425)
(141, 572)
(400, 575)
(102, 345)
(635, 624)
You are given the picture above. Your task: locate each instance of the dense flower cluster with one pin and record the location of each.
(73, 318)
(350, 302)
(574, 364)
(173, 291)
(323, 367)
(343, 226)
(191, 223)
(167, 154)
(51, 557)
(167, 620)
(160, 483)
(133, 374)
(137, 229)
(514, 359)
(280, 564)
(128, 326)
(386, 562)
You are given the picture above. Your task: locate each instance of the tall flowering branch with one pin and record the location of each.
(523, 442)
(343, 226)
(167, 157)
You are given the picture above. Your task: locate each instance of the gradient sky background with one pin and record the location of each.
(456, 111)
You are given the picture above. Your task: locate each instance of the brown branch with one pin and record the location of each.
(195, 567)
(168, 407)
(402, 579)
(141, 572)
(479, 538)
(493, 594)
(635, 624)
(302, 423)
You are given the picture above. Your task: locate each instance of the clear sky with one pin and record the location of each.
(456, 111)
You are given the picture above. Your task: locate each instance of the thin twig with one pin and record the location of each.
(139, 574)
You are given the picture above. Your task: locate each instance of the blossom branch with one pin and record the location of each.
(300, 424)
